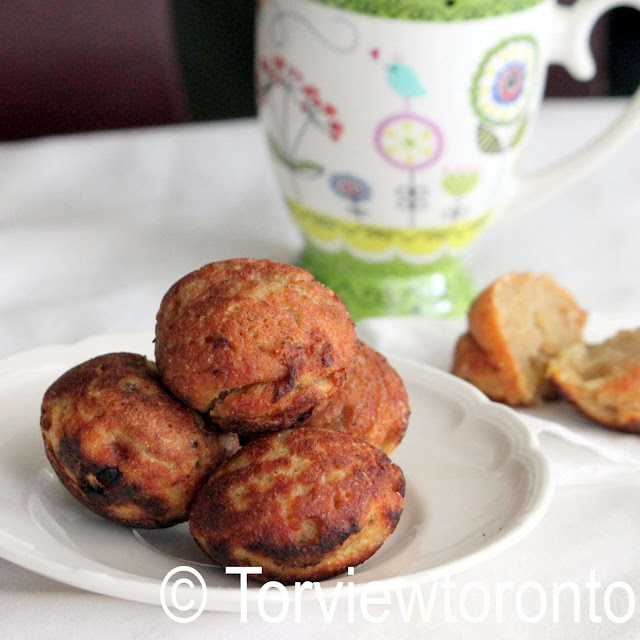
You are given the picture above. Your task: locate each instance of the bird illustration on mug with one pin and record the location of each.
(405, 82)
(406, 140)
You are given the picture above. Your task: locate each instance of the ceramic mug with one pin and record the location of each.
(396, 127)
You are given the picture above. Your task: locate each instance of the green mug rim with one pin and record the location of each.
(432, 10)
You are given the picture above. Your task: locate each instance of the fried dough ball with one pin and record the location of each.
(603, 380)
(303, 504)
(371, 405)
(255, 343)
(123, 446)
(516, 326)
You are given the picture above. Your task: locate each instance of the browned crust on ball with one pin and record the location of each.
(472, 364)
(256, 343)
(304, 504)
(123, 446)
(371, 405)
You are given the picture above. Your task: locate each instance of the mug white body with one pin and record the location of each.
(393, 124)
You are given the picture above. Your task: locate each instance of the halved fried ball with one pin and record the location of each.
(603, 380)
(372, 404)
(124, 446)
(303, 504)
(255, 343)
(516, 326)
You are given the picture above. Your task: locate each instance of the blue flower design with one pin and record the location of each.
(350, 187)
(503, 83)
(509, 83)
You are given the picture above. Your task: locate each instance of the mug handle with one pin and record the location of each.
(572, 50)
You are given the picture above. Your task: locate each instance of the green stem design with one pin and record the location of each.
(293, 152)
(295, 147)
(285, 116)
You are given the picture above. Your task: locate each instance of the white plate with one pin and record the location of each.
(476, 483)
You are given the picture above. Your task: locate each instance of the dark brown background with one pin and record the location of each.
(68, 66)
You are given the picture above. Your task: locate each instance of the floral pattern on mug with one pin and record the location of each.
(503, 82)
(276, 74)
(459, 184)
(353, 189)
(408, 141)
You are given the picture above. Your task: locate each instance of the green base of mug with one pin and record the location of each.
(442, 288)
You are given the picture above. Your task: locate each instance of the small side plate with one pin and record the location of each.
(477, 482)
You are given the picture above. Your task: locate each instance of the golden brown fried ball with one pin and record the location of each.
(123, 446)
(371, 405)
(303, 504)
(255, 343)
(516, 326)
(603, 380)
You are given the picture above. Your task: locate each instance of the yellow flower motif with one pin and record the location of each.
(408, 141)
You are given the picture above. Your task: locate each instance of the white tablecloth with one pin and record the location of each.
(94, 228)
